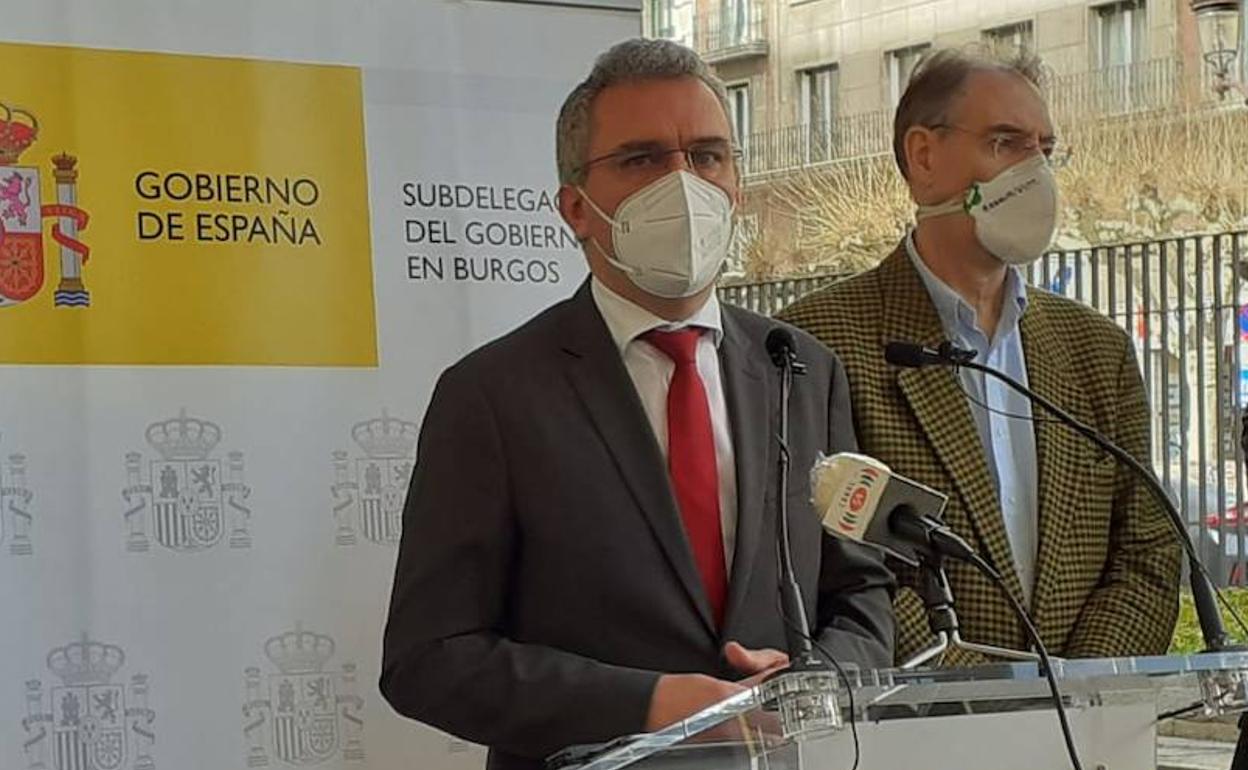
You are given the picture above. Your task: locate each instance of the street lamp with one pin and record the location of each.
(1223, 26)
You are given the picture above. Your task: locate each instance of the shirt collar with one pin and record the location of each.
(626, 320)
(950, 305)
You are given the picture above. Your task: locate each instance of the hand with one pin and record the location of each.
(677, 696)
(757, 665)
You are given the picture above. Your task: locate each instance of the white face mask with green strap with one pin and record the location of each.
(1015, 212)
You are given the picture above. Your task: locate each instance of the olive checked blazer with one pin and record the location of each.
(1108, 564)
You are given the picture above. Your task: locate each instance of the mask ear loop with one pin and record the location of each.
(618, 265)
(959, 204)
(602, 214)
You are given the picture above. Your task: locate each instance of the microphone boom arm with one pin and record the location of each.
(1212, 630)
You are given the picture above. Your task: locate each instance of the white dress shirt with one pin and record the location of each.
(651, 371)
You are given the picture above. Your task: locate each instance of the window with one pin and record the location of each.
(668, 20)
(1011, 38)
(739, 114)
(1121, 78)
(817, 108)
(659, 19)
(819, 87)
(900, 64)
(1120, 33)
(734, 22)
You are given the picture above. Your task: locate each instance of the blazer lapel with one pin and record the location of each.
(752, 413)
(939, 404)
(602, 382)
(1061, 453)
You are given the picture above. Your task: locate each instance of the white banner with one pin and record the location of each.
(209, 392)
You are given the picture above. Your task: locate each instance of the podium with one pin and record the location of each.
(996, 717)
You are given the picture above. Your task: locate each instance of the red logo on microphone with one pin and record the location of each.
(857, 499)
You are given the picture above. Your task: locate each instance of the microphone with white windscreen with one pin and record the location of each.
(861, 499)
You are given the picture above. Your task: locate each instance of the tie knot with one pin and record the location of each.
(681, 345)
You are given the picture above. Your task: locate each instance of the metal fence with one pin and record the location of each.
(1184, 303)
(768, 297)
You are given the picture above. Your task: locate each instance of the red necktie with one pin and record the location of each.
(691, 461)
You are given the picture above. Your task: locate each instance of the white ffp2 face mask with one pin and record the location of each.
(1015, 212)
(670, 237)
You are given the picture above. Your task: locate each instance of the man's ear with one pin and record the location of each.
(917, 147)
(574, 211)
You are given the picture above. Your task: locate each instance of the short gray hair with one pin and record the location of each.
(938, 78)
(629, 61)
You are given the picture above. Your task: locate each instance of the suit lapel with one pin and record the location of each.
(1061, 454)
(752, 412)
(602, 382)
(939, 404)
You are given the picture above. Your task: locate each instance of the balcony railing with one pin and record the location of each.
(1115, 91)
(732, 29)
(1118, 90)
(794, 147)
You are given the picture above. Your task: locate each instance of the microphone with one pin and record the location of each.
(782, 349)
(912, 356)
(1204, 595)
(861, 499)
(781, 346)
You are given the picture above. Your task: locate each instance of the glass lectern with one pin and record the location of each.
(997, 717)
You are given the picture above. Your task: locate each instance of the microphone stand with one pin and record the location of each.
(937, 598)
(796, 625)
(1212, 630)
(805, 693)
(1239, 761)
(1204, 597)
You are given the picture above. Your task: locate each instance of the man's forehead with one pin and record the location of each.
(991, 99)
(657, 111)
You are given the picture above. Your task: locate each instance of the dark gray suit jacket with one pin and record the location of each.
(544, 580)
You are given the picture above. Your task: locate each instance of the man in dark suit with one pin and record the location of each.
(589, 538)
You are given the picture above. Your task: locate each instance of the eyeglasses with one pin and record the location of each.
(713, 161)
(1012, 145)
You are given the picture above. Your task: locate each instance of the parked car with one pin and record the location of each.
(1218, 541)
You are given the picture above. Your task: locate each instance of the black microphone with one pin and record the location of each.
(781, 346)
(912, 356)
(782, 349)
(1212, 630)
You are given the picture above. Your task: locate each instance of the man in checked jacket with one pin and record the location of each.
(1078, 538)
